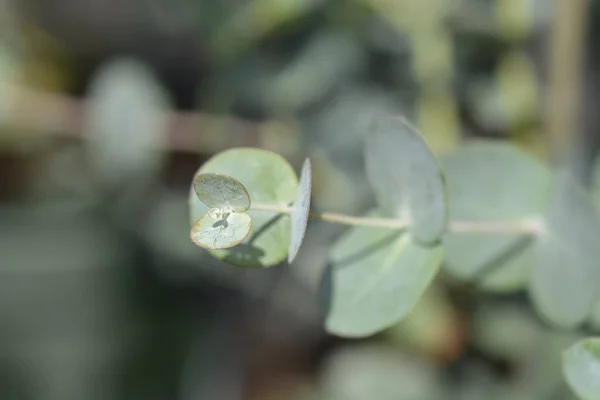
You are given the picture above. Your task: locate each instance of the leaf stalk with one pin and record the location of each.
(525, 226)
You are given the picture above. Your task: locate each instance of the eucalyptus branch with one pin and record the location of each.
(526, 227)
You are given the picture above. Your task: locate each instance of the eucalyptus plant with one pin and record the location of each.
(487, 213)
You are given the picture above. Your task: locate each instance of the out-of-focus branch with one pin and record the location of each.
(565, 75)
(36, 113)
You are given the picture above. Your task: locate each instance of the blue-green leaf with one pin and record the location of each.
(565, 282)
(126, 121)
(221, 231)
(269, 180)
(375, 278)
(406, 178)
(581, 367)
(300, 211)
(493, 181)
(222, 192)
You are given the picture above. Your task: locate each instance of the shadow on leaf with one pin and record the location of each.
(253, 237)
(327, 287)
(247, 254)
(493, 265)
(366, 251)
(221, 222)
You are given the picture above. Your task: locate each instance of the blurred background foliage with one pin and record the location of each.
(102, 294)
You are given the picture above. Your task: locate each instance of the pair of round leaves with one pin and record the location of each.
(376, 276)
(226, 224)
(222, 217)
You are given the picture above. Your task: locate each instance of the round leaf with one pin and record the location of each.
(493, 181)
(300, 211)
(406, 177)
(269, 179)
(221, 233)
(581, 367)
(375, 278)
(125, 121)
(222, 192)
(565, 282)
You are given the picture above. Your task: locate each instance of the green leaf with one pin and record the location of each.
(362, 371)
(126, 121)
(9, 76)
(433, 328)
(222, 231)
(565, 281)
(269, 180)
(222, 192)
(505, 330)
(300, 211)
(595, 182)
(594, 318)
(375, 278)
(493, 181)
(595, 192)
(406, 177)
(581, 367)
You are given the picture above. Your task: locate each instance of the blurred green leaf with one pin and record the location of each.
(406, 178)
(9, 74)
(327, 60)
(222, 192)
(412, 16)
(337, 135)
(565, 281)
(300, 211)
(594, 318)
(534, 358)
(374, 371)
(222, 232)
(515, 19)
(270, 180)
(342, 126)
(375, 278)
(126, 121)
(254, 20)
(543, 367)
(518, 88)
(434, 328)
(581, 367)
(493, 181)
(505, 330)
(595, 192)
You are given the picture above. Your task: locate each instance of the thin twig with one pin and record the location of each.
(359, 221)
(525, 227)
